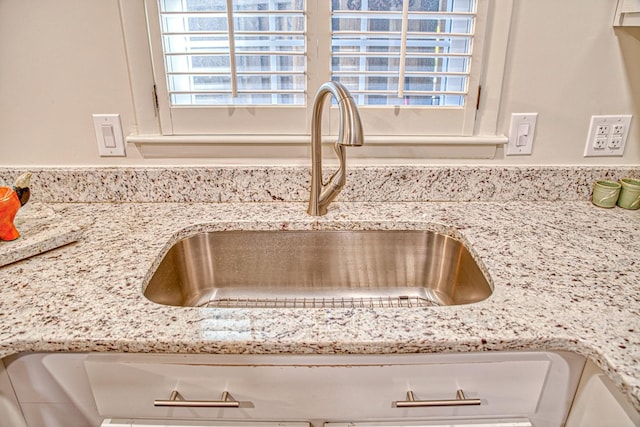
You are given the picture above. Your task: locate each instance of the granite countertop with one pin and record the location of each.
(565, 276)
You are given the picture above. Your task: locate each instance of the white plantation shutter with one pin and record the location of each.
(414, 52)
(250, 54)
(229, 71)
(409, 63)
(252, 67)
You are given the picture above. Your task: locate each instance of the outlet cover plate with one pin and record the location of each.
(607, 136)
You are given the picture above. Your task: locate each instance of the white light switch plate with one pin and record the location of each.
(109, 135)
(521, 133)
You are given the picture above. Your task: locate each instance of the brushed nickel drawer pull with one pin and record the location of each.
(177, 401)
(460, 400)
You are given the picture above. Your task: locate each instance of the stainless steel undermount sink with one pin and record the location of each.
(372, 268)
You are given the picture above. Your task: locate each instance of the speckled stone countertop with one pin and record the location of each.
(566, 277)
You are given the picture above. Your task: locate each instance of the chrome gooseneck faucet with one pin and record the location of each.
(350, 134)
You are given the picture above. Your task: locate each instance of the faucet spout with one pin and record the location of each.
(350, 134)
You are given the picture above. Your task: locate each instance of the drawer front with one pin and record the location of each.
(504, 386)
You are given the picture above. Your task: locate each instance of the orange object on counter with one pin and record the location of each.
(9, 205)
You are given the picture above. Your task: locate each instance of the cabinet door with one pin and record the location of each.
(335, 389)
(9, 413)
(599, 404)
(52, 389)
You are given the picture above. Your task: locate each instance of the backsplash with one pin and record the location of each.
(284, 183)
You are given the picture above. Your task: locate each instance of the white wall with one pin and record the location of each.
(62, 60)
(568, 63)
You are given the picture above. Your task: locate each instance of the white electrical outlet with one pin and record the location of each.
(618, 129)
(109, 135)
(600, 143)
(521, 133)
(607, 136)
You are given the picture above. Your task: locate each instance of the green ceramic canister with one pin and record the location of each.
(605, 193)
(629, 193)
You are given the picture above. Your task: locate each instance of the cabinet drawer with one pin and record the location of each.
(338, 388)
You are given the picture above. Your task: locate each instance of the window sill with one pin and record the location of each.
(297, 146)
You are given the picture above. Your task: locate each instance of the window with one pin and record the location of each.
(253, 54)
(408, 53)
(230, 67)
(414, 55)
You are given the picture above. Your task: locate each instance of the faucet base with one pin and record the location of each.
(317, 211)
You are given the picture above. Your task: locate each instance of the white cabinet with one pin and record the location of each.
(627, 14)
(10, 415)
(518, 387)
(534, 385)
(599, 404)
(52, 389)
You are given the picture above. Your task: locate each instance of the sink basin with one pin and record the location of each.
(372, 268)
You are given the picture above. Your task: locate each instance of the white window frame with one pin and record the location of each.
(477, 131)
